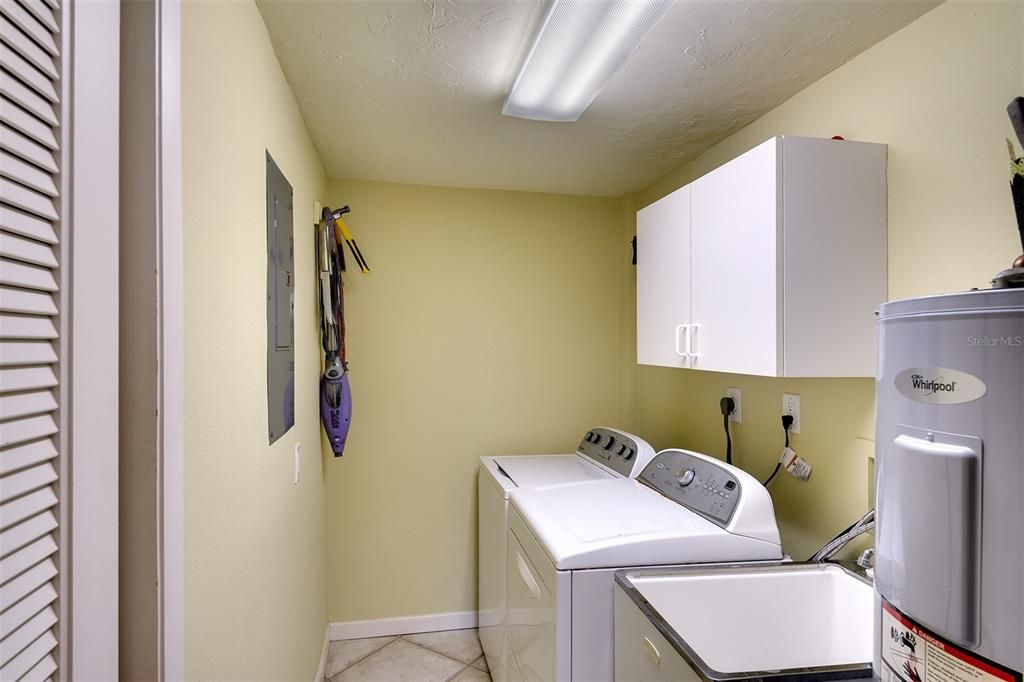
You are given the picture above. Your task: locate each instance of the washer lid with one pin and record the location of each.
(620, 522)
(541, 470)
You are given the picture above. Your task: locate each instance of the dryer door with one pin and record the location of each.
(531, 617)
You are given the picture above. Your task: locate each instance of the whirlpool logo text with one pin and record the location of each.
(931, 385)
(939, 385)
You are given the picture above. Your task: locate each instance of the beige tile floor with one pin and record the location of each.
(451, 655)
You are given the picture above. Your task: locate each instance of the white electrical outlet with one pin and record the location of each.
(737, 396)
(791, 406)
(298, 463)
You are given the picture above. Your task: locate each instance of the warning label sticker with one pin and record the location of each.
(912, 654)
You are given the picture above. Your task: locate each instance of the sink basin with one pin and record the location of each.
(786, 621)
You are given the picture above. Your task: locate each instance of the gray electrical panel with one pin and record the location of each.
(280, 294)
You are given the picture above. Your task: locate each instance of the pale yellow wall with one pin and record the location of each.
(936, 93)
(489, 325)
(255, 558)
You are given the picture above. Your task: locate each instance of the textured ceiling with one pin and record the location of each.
(411, 91)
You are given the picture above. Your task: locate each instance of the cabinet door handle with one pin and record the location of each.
(683, 335)
(691, 343)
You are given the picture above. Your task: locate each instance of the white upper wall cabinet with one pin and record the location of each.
(772, 264)
(734, 266)
(663, 247)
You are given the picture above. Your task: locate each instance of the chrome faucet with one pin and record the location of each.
(866, 560)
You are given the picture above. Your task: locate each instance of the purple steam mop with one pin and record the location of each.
(335, 392)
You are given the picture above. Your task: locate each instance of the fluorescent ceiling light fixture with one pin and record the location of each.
(579, 46)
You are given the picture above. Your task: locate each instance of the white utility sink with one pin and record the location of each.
(788, 618)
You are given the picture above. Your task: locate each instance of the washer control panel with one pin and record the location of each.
(614, 449)
(694, 482)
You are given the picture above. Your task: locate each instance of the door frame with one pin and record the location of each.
(152, 343)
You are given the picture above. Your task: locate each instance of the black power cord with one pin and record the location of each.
(728, 406)
(787, 422)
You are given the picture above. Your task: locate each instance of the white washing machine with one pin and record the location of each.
(564, 546)
(603, 454)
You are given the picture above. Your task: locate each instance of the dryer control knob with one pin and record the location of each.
(610, 443)
(621, 450)
(686, 479)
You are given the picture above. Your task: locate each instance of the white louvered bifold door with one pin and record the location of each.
(30, 111)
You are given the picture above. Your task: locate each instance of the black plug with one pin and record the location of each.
(787, 422)
(728, 406)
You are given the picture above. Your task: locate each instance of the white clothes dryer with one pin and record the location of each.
(603, 454)
(564, 546)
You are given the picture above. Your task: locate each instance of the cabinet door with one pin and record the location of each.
(663, 280)
(735, 291)
(641, 652)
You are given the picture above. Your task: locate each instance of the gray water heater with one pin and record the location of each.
(949, 574)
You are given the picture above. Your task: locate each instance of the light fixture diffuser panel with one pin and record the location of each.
(579, 46)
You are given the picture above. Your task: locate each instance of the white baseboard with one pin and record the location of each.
(357, 629)
(322, 669)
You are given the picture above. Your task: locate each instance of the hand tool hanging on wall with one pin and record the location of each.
(1013, 277)
(343, 235)
(335, 391)
(1016, 112)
